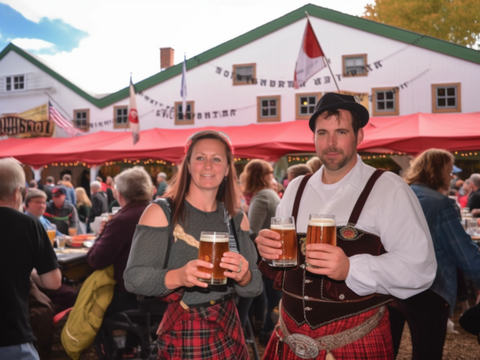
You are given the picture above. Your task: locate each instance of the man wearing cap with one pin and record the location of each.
(24, 247)
(35, 205)
(162, 184)
(383, 247)
(61, 212)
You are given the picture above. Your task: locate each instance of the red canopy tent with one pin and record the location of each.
(415, 133)
(406, 134)
(268, 141)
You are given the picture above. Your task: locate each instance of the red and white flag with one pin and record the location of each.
(311, 58)
(58, 119)
(133, 115)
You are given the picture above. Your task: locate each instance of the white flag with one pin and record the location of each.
(133, 115)
(183, 90)
(311, 58)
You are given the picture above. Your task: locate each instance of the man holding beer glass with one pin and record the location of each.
(383, 247)
(201, 321)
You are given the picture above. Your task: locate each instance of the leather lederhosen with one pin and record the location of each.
(318, 300)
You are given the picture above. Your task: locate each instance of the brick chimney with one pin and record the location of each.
(166, 57)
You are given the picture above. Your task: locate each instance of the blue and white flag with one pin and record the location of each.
(183, 89)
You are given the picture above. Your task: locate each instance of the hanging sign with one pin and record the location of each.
(28, 124)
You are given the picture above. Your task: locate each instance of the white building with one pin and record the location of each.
(250, 78)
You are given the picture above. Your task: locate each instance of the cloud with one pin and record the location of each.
(98, 43)
(56, 34)
(34, 45)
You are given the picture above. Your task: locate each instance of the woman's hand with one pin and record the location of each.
(188, 275)
(238, 267)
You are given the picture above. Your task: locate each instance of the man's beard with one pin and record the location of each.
(331, 164)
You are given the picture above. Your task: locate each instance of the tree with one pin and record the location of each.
(457, 21)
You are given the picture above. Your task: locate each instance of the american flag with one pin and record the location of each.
(61, 121)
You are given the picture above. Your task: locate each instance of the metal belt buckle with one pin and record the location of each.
(302, 345)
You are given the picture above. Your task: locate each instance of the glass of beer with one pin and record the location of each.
(61, 241)
(213, 245)
(52, 232)
(321, 230)
(285, 226)
(72, 231)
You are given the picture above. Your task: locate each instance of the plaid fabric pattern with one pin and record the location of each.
(377, 345)
(202, 333)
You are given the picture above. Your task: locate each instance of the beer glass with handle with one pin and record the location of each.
(321, 230)
(285, 226)
(213, 245)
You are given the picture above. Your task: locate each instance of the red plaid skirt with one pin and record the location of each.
(377, 345)
(202, 333)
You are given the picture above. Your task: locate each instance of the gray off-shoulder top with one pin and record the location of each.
(145, 274)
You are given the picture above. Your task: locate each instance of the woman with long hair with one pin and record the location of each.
(427, 313)
(259, 180)
(201, 320)
(83, 208)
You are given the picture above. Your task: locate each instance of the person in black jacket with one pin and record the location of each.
(99, 201)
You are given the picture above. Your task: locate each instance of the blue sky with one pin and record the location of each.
(60, 36)
(96, 44)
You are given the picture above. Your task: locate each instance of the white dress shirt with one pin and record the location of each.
(391, 212)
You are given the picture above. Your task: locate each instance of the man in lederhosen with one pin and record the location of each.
(334, 307)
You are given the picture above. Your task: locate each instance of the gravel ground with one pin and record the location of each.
(461, 346)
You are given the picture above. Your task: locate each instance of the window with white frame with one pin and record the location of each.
(385, 101)
(15, 83)
(305, 105)
(354, 65)
(244, 74)
(446, 98)
(120, 116)
(268, 108)
(186, 118)
(81, 119)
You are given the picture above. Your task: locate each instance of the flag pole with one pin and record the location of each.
(325, 57)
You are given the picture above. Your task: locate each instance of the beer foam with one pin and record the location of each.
(282, 227)
(214, 238)
(321, 222)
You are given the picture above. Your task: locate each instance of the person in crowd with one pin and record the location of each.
(473, 202)
(50, 183)
(114, 203)
(110, 184)
(297, 170)
(427, 312)
(83, 208)
(109, 181)
(67, 183)
(35, 205)
(314, 163)
(470, 321)
(263, 205)
(112, 247)
(162, 184)
(467, 190)
(99, 201)
(85, 180)
(25, 251)
(32, 184)
(342, 290)
(64, 297)
(60, 212)
(280, 190)
(102, 184)
(201, 320)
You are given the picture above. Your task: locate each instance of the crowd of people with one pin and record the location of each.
(401, 252)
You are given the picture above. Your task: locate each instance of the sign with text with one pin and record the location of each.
(28, 124)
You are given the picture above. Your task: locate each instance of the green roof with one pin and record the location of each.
(426, 42)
